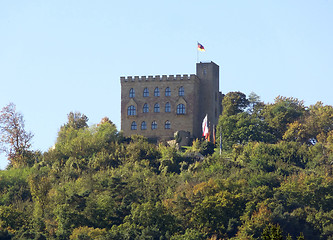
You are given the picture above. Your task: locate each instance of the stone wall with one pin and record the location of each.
(177, 121)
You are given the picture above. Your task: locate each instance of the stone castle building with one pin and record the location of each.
(156, 107)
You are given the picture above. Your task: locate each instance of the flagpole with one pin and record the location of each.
(214, 134)
(197, 52)
(220, 141)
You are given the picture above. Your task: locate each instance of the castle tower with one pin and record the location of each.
(210, 96)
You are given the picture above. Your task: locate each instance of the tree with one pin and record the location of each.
(242, 120)
(88, 233)
(15, 141)
(255, 104)
(314, 127)
(253, 225)
(234, 102)
(272, 231)
(77, 120)
(148, 220)
(242, 128)
(190, 234)
(281, 113)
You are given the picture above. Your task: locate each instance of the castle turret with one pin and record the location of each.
(210, 102)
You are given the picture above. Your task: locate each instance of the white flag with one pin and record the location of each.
(205, 127)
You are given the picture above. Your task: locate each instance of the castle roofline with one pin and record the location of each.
(211, 62)
(178, 77)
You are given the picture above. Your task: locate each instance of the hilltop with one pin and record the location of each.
(272, 179)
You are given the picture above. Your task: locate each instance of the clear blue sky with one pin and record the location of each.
(58, 56)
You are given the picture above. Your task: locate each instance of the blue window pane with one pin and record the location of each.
(131, 111)
(156, 92)
(133, 125)
(131, 93)
(145, 108)
(181, 91)
(154, 125)
(167, 92)
(167, 125)
(157, 108)
(167, 107)
(146, 92)
(143, 125)
(181, 109)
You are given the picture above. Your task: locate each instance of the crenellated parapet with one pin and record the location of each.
(157, 78)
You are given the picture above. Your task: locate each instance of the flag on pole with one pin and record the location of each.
(205, 130)
(201, 47)
(220, 141)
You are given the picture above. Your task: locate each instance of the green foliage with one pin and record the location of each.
(88, 233)
(11, 218)
(234, 103)
(14, 186)
(203, 147)
(190, 234)
(301, 237)
(146, 221)
(255, 105)
(254, 224)
(140, 149)
(76, 120)
(272, 232)
(214, 212)
(281, 113)
(242, 128)
(239, 127)
(314, 127)
(170, 159)
(273, 180)
(306, 190)
(264, 123)
(270, 157)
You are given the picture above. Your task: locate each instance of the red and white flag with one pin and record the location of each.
(205, 130)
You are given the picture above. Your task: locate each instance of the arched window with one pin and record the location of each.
(153, 125)
(167, 92)
(181, 109)
(181, 91)
(156, 92)
(133, 125)
(157, 108)
(131, 111)
(145, 108)
(146, 92)
(132, 93)
(167, 107)
(143, 125)
(167, 125)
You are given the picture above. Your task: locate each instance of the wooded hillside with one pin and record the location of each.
(273, 179)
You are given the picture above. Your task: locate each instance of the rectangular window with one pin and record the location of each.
(146, 92)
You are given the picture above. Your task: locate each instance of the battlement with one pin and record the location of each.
(185, 77)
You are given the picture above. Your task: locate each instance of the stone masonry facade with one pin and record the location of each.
(158, 106)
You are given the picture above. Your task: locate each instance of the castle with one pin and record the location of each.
(157, 107)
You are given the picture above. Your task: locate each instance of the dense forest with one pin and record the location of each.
(272, 180)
